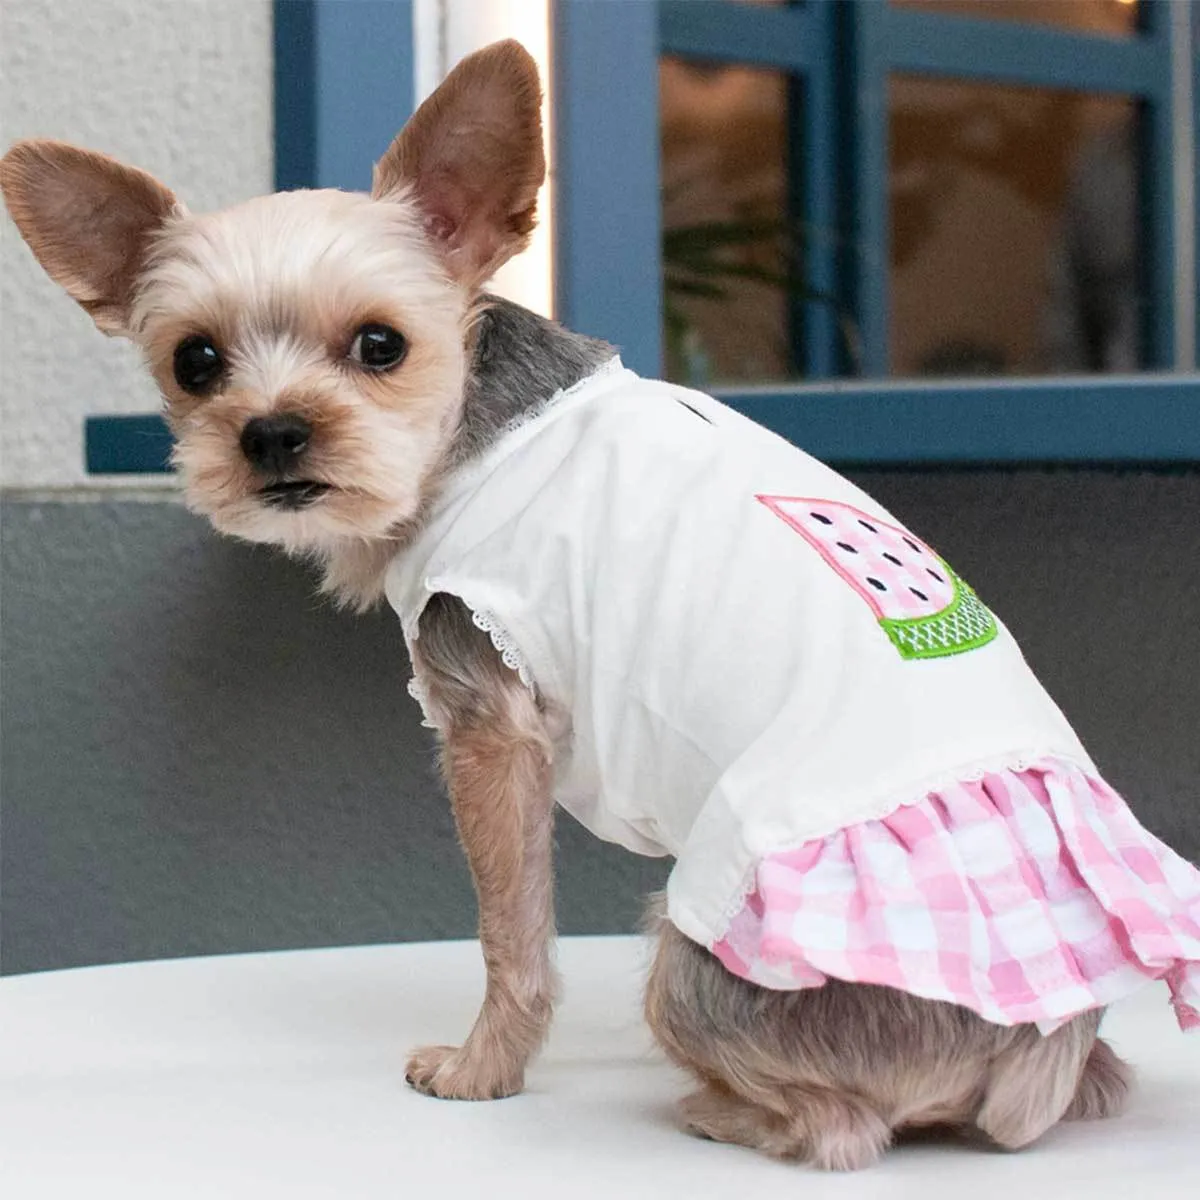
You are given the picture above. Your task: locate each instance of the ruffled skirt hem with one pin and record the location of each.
(1028, 896)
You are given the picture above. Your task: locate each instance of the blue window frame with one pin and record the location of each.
(1193, 172)
(343, 87)
(344, 84)
(609, 277)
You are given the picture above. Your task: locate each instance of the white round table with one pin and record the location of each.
(281, 1075)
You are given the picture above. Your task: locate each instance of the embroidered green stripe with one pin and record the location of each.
(964, 624)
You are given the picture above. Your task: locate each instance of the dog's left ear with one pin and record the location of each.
(472, 158)
(88, 220)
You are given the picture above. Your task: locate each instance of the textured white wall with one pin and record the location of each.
(181, 88)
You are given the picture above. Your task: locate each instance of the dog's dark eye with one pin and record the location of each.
(378, 347)
(198, 365)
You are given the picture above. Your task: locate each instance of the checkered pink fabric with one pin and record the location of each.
(1026, 896)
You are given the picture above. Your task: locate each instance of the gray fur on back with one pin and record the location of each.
(519, 361)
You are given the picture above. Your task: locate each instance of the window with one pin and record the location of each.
(850, 213)
(892, 192)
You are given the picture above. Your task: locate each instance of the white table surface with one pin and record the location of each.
(282, 1075)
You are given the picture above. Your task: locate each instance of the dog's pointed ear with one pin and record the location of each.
(87, 219)
(472, 159)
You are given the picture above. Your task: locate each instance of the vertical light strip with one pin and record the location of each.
(445, 31)
(429, 47)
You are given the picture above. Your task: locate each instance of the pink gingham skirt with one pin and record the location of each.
(1027, 896)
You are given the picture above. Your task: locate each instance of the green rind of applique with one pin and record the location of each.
(964, 624)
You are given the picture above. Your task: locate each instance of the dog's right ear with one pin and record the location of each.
(87, 218)
(472, 159)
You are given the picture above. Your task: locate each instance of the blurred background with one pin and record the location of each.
(948, 244)
(1012, 213)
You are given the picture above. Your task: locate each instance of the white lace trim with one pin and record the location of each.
(418, 691)
(508, 650)
(529, 415)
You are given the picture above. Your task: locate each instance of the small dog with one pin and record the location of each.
(340, 385)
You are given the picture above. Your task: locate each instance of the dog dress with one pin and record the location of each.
(754, 668)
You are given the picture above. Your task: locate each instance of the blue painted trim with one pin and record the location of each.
(343, 88)
(295, 94)
(1134, 419)
(127, 445)
(864, 96)
(1195, 55)
(1025, 53)
(1157, 199)
(716, 31)
(1156, 228)
(608, 208)
(821, 208)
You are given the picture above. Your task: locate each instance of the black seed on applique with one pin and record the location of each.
(919, 595)
(821, 517)
(847, 547)
(935, 574)
(875, 583)
(892, 559)
(913, 545)
(867, 525)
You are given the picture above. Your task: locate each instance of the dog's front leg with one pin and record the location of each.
(496, 758)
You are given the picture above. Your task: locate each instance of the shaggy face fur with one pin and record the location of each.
(282, 286)
(281, 289)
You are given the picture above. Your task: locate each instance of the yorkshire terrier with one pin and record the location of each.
(621, 596)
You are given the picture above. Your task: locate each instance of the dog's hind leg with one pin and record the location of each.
(832, 1130)
(762, 1088)
(721, 1115)
(830, 1074)
(1104, 1086)
(1034, 1083)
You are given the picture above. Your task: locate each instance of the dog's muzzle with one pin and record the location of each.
(293, 495)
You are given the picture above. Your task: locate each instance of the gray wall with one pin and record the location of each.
(199, 757)
(184, 92)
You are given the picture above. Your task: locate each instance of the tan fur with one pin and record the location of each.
(282, 283)
(497, 760)
(830, 1075)
(88, 219)
(478, 194)
(1103, 1088)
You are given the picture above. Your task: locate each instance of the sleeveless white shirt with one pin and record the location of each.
(751, 652)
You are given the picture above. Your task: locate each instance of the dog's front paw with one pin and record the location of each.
(449, 1073)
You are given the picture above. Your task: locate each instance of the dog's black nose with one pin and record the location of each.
(277, 443)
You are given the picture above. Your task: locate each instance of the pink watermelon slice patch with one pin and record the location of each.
(922, 605)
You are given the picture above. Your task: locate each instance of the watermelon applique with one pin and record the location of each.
(922, 605)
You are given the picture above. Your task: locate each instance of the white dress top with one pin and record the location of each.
(750, 652)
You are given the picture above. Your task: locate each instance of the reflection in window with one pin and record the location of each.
(725, 223)
(1013, 230)
(1113, 17)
